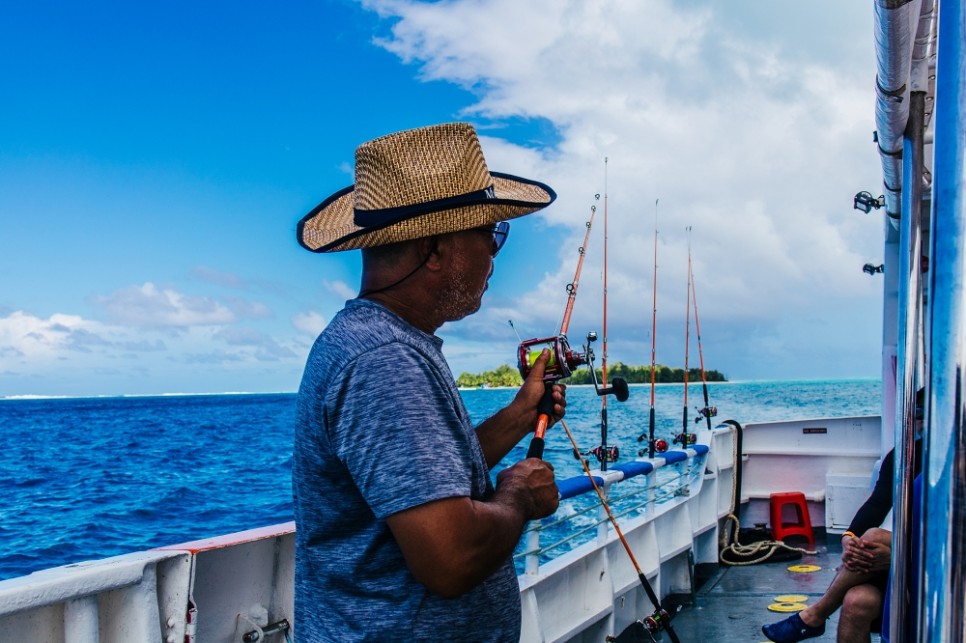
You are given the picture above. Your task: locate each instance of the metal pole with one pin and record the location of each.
(942, 601)
(910, 332)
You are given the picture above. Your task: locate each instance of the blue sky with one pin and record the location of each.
(155, 159)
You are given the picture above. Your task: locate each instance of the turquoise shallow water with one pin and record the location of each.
(89, 478)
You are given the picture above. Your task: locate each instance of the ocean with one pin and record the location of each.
(95, 477)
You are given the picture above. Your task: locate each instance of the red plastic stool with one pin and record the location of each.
(802, 527)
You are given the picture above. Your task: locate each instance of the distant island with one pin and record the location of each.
(506, 375)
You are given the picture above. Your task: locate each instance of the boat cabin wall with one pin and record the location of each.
(831, 461)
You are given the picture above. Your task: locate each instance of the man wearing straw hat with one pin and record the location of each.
(401, 534)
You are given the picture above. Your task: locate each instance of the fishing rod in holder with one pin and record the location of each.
(619, 390)
(654, 445)
(708, 411)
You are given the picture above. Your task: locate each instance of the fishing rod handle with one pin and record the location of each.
(545, 412)
(536, 448)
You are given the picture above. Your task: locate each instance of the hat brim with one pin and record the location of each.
(331, 227)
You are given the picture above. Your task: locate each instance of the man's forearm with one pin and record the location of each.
(502, 432)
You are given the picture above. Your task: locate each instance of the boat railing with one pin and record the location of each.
(240, 588)
(232, 589)
(673, 474)
(668, 509)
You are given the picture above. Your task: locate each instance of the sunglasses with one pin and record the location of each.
(499, 231)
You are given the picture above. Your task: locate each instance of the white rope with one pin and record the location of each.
(754, 553)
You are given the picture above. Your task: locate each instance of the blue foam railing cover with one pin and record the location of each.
(635, 468)
(674, 456)
(575, 486)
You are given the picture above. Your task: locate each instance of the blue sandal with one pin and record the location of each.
(792, 630)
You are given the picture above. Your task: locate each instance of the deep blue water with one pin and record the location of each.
(89, 478)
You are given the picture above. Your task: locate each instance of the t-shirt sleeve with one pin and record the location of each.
(393, 424)
(874, 510)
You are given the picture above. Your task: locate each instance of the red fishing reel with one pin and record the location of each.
(563, 359)
(660, 446)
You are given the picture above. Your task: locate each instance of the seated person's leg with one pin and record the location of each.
(861, 608)
(863, 562)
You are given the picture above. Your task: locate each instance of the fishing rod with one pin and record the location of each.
(572, 286)
(708, 411)
(660, 619)
(687, 337)
(563, 359)
(561, 355)
(603, 453)
(561, 348)
(651, 419)
(545, 407)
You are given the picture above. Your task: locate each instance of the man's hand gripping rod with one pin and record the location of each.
(563, 360)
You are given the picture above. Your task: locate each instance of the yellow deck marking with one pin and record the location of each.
(804, 568)
(791, 598)
(787, 607)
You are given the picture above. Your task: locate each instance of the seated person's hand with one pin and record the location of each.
(869, 553)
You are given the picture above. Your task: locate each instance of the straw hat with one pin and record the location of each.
(418, 183)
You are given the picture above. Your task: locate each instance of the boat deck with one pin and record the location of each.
(737, 598)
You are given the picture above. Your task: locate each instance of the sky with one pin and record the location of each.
(155, 159)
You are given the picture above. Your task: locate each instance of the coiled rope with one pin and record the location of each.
(732, 552)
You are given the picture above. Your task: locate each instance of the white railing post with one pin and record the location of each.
(80, 620)
(533, 559)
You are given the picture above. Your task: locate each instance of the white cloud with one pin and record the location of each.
(310, 323)
(67, 352)
(148, 305)
(340, 289)
(26, 337)
(756, 146)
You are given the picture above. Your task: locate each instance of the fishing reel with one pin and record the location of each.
(602, 453)
(660, 446)
(686, 439)
(563, 360)
(619, 386)
(706, 413)
(645, 629)
(656, 621)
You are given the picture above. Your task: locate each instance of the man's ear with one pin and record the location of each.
(429, 248)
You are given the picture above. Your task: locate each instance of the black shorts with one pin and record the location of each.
(879, 581)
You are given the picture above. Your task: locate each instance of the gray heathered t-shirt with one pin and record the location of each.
(381, 428)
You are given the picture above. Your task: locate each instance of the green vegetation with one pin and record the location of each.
(506, 375)
(642, 374)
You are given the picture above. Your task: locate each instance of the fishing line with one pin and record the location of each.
(660, 619)
(519, 339)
